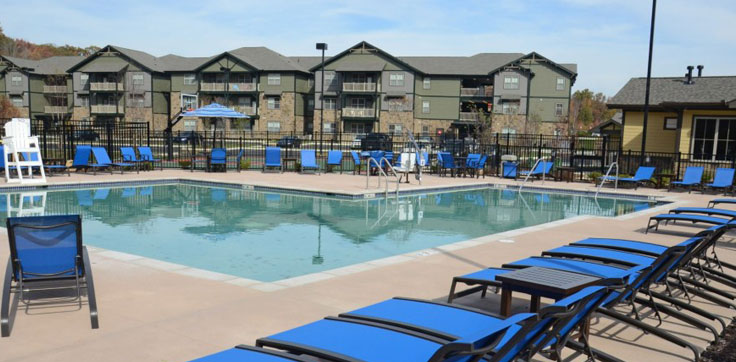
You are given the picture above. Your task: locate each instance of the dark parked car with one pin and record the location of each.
(85, 135)
(187, 137)
(376, 141)
(289, 142)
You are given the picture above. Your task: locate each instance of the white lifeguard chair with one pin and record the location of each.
(24, 152)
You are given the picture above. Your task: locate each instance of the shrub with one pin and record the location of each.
(594, 176)
(185, 164)
(245, 164)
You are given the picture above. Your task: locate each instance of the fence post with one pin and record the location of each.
(497, 159)
(603, 156)
(679, 161)
(539, 147)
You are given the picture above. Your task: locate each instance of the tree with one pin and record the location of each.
(24, 49)
(7, 109)
(588, 109)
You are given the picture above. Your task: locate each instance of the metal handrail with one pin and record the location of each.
(530, 173)
(605, 178)
(396, 176)
(385, 175)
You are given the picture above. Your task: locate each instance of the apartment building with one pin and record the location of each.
(365, 90)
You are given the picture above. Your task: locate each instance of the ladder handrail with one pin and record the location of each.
(419, 154)
(605, 178)
(396, 176)
(530, 173)
(383, 173)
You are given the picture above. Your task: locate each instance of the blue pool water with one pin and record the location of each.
(271, 236)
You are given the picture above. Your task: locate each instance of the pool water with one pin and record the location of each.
(272, 236)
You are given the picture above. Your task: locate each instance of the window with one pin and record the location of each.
(17, 101)
(557, 132)
(136, 100)
(310, 104)
(138, 80)
(16, 80)
(713, 138)
(560, 83)
(510, 107)
(240, 124)
(190, 124)
(329, 79)
(559, 109)
(358, 103)
(427, 83)
(328, 127)
(274, 79)
(82, 101)
(511, 82)
(425, 106)
(190, 79)
(670, 123)
(508, 131)
(425, 131)
(244, 101)
(359, 128)
(188, 101)
(396, 80)
(396, 104)
(84, 79)
(273, 126)
(394, 128)
(330, 103)
(274, 103)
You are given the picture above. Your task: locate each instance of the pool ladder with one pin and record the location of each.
(605, 178)
(530, 173)
(383, 173)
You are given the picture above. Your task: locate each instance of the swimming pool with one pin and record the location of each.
(273, 236)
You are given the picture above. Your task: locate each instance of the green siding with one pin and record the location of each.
(439, 86)
(368, 60)
(233, 64)
(2, 81)
(177, 84)
(160, 104)
(287, 83)
(544, 83)
(545, 109)
(300, 104)
(302, 84)
(161, 83)
(439, 107)
(36, 83)
(112, 61)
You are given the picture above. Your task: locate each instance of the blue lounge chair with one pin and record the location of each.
(81, 158)
(695, 219)
(309, 161)
(273, 159)
(704, 210)
(217, 159)
(542, 169)
(129, 156)
(147, 157)
(46, 251)
(643, 175)
(714, 202)
(356, 162)
(722, 180)
(245, 353)
(334, 159)
(448, 163)
(693, 177)
(103, 160)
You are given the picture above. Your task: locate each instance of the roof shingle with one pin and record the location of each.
(704, 90)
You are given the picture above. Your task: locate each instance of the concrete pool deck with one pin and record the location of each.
(155, 311)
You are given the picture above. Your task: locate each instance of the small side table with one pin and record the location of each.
(661, 176)
(566, 173)
(286, 161)
(540, 282)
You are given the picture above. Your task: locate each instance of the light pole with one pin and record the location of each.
(649, 79)
(322, 47)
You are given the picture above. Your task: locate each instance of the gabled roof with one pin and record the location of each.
(260, 58)
(47, 66)
(365, 44)
(176, 63)
(307, 62)
(567, 69)
(478, 65)
(143, 59)
(668, 91)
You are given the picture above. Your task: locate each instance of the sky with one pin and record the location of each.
(608, 39)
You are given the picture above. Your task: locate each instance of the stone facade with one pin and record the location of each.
(331, 116)
(284, 115)
(80, 113)
(139, 114)
(519, 123)
(387, 118)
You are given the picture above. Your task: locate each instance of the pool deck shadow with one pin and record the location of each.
(155, 312)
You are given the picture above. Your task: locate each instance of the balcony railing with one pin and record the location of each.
(358, 112)
(359, 87)
(247, 110)
(104, 108)
(105, 86)
(54, 89)
(477, 92)
(56, 109)
(469, 116)
(233, 87)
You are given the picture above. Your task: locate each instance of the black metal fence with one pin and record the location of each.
(582, 155)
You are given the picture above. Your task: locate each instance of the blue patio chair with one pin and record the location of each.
(472, 159)
(81, 157)
(477, 166)
(217, 159)
(147, 157)
(46, 251)
(643, 175)
(334, 159)
(655, 220)
(254, 354)
(128, 154)
(693, 177)
(722, 180)
(273, 159)
(309, 161)
(448, 163)
(239, 160)
(103, 160)
(704, 210)
(727, 201)
(543, 169)
(356, 162)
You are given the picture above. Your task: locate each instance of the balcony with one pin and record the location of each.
(233, 87)
(105, 86)
(56, 109)
(54, 89)
(477, 92)
(247, 110)
(469, 116)
(358, 112)
(105, 109)
(359, 87)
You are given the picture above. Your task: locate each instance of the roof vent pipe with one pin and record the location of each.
(700, 71)
(689, 78)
